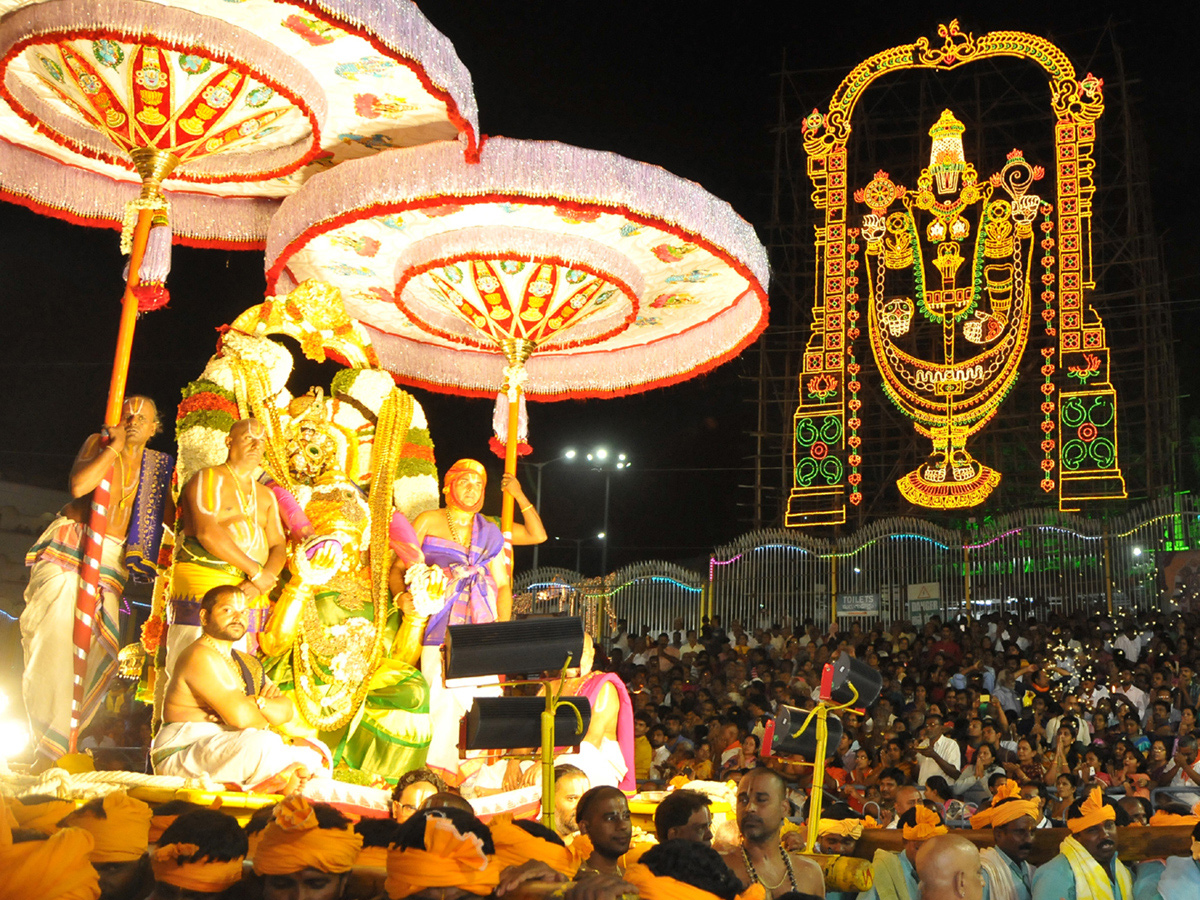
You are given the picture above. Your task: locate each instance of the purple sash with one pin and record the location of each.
(471, 596)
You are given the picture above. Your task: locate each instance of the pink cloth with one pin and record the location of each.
(591, 690)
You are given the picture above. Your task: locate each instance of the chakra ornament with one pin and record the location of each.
(544, 269)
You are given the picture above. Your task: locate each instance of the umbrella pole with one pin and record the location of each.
(129, 311)
(153, 165)
(516, 351)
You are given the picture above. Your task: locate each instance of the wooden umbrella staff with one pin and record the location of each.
(517, 351)
(153, 166)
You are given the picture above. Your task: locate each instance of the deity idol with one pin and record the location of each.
(981, 309)
(344, 471)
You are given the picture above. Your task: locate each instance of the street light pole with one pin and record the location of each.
(567, 455)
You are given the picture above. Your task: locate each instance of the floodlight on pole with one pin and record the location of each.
(567, 456)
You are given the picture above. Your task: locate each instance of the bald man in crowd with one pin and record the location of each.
(948, 868)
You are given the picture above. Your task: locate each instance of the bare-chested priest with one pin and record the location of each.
(219, 708)
(231, 535)
(762, 804)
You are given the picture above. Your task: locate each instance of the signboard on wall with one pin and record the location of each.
(858, 605)
(924, 601)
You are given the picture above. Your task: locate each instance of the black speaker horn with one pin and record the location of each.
(501, 723)
(849, 670)
(790, 740)
(527, 649)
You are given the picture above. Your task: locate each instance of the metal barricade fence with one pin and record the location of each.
(1036, 562)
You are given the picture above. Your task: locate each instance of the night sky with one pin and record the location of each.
(688, 89)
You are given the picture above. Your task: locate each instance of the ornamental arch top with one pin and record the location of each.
(1016, 230)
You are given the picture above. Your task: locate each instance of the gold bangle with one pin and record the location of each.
(527, 508)
(110, 447)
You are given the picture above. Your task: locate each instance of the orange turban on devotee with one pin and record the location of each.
(928, 824)
(1007, 806)
(43, 817)
(464, 467)
(372, 856)
(515, 845)
(450, 859)
(662, 887)
(847, 827)
(173, 864)
(294, 840)
(54, 869)
(122, 834)
(1092, 811)
(159, 824)
(1165, 818)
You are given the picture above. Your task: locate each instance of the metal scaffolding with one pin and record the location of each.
(1004, 104)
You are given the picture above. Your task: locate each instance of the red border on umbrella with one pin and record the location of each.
(174, 46)
(424, 267)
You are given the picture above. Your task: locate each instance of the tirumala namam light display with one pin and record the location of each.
(980, 260)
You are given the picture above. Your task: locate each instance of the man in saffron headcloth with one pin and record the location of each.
(838, 831)
(895, 874)
(1087, 867)
(307, 850)
(441, 854)
(133, 516)
(232, 534)
(219, 707)
(199, 857)
(120, 826)
(470, 549)
(1006, 870)
(34, 866)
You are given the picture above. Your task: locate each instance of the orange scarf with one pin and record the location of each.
(1003, 813)
(661, 887)
(43, 817)
(54, 869)
(515, 845)
(1092, 811)
(123, 833)
(928, 824)
(294, 840)
(170, 866)
(450, 859)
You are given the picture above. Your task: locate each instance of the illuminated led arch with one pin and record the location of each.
(1079, 411)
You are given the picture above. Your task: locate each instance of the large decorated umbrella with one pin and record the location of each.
(201, 116)
(543, 269)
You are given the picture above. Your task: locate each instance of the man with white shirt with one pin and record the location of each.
(1129, 643)
(1131, 692)
(940, 754)
(691, 645)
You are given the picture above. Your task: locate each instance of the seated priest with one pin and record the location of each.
(219, 708)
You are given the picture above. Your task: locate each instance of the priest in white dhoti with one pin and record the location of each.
(220, 709)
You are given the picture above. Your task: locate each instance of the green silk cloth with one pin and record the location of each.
(390, 735)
